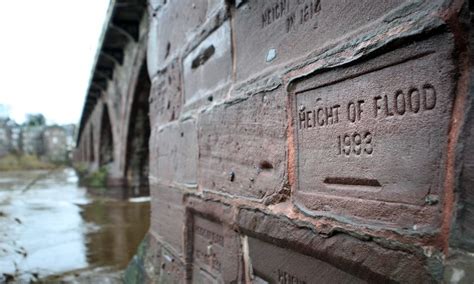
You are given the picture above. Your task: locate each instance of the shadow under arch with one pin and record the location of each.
(106, 139)
(137, 155)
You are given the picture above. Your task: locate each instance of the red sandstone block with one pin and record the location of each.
(364, 258)
(273, 264)
(174, 153)
(371, 139)
(172, 269)
(208, 67)
(173, 25)
(242, 146)
(208, 250)
(213, 245)
(168, 216)
(268, 33)
(165, 95)
(463, 230)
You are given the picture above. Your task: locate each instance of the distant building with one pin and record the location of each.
(71, 135)
(16, 137)
(55, 144)
(9, 136)
(32, 140)
(52, 143)
(5, 137)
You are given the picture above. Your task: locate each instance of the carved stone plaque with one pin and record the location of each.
(272, 32)
(207, 251)
(371, 137)
(273, 264)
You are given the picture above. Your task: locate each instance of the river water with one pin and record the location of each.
(49, 225)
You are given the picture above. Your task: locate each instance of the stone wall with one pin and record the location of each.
(305, 141)
(309, 141)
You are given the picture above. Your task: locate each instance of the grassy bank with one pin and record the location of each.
(87, 178)
(13, 162)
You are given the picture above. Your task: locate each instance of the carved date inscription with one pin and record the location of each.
(374, 131)
(291, 29)
(208, 246)
(294, 13)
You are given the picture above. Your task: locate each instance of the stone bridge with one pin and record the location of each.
(290, 141)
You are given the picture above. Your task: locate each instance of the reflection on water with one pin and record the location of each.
(120, 228)
(55, 226)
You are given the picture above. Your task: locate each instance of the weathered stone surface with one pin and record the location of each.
(459, 267)
(214, 246)
(302, 141)
(155, 5)
(463, 229)
(165, 96)
(175, 153)
(152, 59)
(242, 146)
(371, 138)
(172, 268)
(208, 250)
(168, 215)
(208, 67)
(360, 256)
(153, 263)
(273, 264)
(272, 32)
(186, 17)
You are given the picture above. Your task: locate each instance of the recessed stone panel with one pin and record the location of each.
(272, 32)
(242, 146)
(212, 244)
(208, 251)
(273, 264)
(371, 138)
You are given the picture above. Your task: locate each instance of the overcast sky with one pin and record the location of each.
(46, 55)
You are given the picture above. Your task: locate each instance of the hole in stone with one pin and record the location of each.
(265, 165)
(352, 181)
(182, 134)
(203, 57)
(210, 98)
(168, 105)
(168, 49)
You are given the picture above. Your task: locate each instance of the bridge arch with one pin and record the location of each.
(138, 133)
(106, 145)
